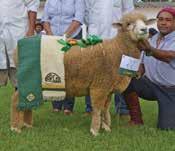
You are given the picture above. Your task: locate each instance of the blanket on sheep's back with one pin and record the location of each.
(40, 71)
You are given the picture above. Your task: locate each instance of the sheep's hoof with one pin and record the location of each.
(27, 125)
(106, 127)
(93, 132)
(15, 129)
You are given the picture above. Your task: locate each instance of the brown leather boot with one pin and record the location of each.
(132, 101)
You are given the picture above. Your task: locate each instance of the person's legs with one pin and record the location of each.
(88, 104)
(3, 77)
(12, 77)
(134, 109)
(57, 105)
(138, 87)
(68, 105)
(120, 105)
(166, 112)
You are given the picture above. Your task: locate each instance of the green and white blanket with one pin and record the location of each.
(40, 71)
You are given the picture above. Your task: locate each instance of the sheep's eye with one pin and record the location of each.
(128, 24)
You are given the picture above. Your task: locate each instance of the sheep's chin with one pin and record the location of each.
(142, 36)
(137, 37)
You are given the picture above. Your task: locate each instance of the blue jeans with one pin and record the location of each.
(88, 104)
(120, 104)
(68, 104)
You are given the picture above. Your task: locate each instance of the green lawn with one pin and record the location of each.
(56, 132)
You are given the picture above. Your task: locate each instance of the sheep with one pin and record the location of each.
(95, 72)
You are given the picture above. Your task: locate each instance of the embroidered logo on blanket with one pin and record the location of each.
(30, 97)
(53, 77)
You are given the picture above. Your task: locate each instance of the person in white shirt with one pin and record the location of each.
(100, 14)
(98, 17)
(120, 7)
(17, 19)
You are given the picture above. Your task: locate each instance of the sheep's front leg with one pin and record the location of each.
(106, 117)
(97, 98)
(16, 115)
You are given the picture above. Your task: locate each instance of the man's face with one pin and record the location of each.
(38, 28)
(165, 23)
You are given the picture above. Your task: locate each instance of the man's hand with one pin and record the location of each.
(49, 33)
(47, 28)
(141, 71)
(29, 33)
(145, 46)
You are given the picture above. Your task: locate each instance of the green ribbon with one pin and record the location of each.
(83, 43)
(66, 45)
(91, 40)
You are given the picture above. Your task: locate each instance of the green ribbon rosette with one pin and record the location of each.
(83, 43)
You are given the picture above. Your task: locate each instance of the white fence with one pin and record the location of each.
(154, 0)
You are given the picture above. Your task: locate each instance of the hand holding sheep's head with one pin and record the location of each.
(135, 24)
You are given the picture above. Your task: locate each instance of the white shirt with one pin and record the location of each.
(96, 13)
(13, 25)
(100, 14)
(120, 7)
(159, 72)
(60, 15)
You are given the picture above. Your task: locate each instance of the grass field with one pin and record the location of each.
(57, 132)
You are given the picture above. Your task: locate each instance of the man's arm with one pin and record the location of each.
(32, 20)
(160, 54)
(72, 28)
(47, 28)
(32, 7)
(78, 18)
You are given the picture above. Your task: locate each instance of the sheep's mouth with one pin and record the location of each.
(142, 35)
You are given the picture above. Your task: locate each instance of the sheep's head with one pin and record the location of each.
(135, 24)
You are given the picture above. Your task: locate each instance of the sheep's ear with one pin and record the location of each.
(151, 21)
(117, 25)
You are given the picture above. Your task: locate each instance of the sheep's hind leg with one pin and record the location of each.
(28, 119)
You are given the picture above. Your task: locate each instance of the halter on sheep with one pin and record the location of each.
(95, 72)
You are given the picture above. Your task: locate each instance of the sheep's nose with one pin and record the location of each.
(144, 30)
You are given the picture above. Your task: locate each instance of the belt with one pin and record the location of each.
(167, 87)
(162, 86)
